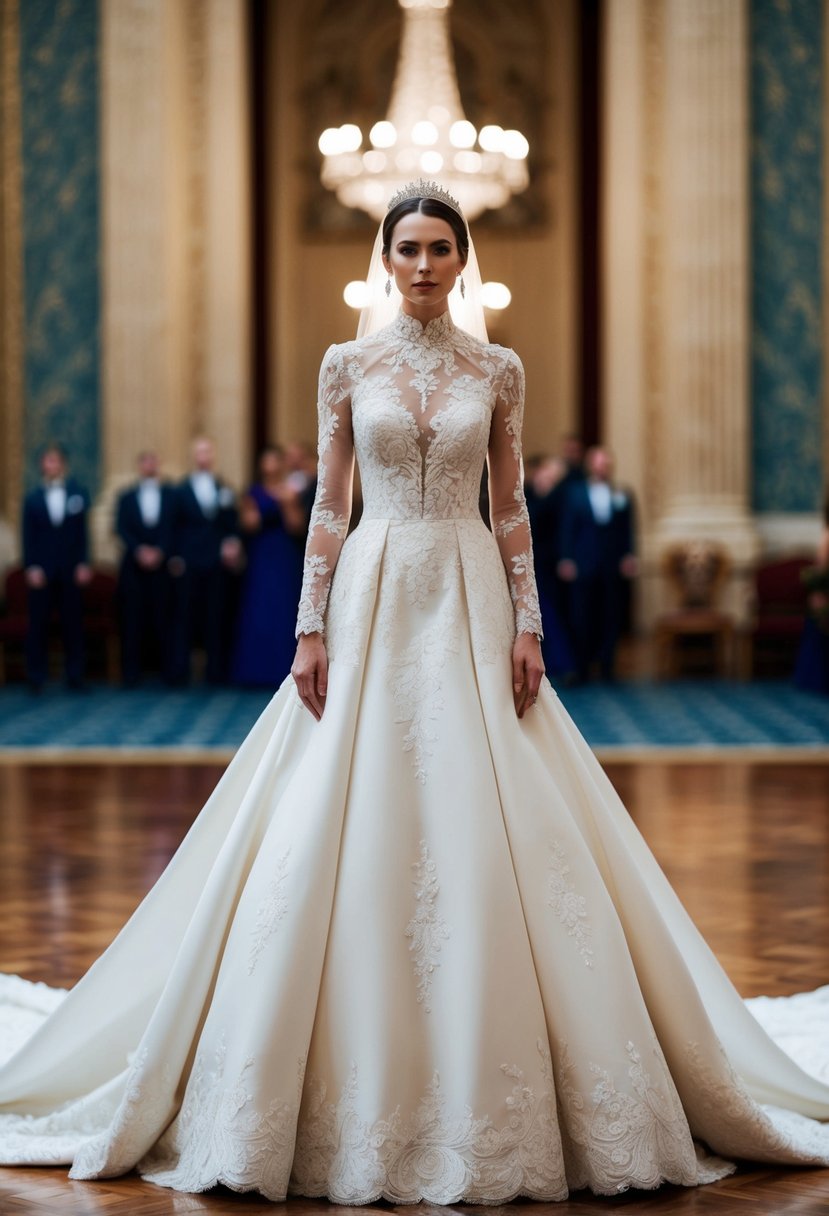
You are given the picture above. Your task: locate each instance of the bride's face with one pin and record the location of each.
(424, 259)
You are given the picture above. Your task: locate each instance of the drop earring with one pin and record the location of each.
(463, 287)
(388, 286)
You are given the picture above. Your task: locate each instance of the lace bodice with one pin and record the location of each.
(422, 408)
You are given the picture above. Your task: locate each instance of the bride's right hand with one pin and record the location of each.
(310, 672)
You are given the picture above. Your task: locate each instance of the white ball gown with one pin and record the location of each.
(417, 950)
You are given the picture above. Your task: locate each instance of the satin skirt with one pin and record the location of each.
(417, 950)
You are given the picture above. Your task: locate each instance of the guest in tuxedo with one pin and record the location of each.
(144, 521)
(597, 557)
(56, 562)
(207, 553)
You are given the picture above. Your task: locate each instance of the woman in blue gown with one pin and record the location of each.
(273, 522)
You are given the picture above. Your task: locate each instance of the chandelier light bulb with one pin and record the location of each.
(329, 141)
(350, 137)
(462, 134)
(515, 145)
(491, 138)
(383, 135)
(424, 133)
(495, 296)
(356, 293)
(431, 162)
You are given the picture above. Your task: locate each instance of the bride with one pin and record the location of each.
(413, 947)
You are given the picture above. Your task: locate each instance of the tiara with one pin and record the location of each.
(424, 189)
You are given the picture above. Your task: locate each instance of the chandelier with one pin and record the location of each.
(426, 132)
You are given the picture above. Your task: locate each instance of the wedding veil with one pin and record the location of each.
(467, 310)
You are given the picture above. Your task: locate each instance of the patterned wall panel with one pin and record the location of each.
(59, 73)
(786, 252)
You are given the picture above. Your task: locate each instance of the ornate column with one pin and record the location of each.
(624, 231)
(227, 253)
(705, 279)
(144, 243)
(176, 263)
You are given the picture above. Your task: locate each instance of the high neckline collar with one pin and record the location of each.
(436, 331)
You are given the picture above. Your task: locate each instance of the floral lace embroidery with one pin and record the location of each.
(524, 594)
(313, 601)
(570, 908)
(220, 1136)
(415, 666)
(336, 525)
(742, 1127)
(145, 1108)
(353, 593)
(54, 1138)
(633, 1136)
(270, 912)
(321, 556)
(491, 616)
(433, 1155)
(427, 928)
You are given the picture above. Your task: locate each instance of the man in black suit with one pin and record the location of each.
(56, 562)
(144, 520)
(597, 555)
(207, 550)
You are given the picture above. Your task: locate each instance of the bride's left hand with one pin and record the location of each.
(527, 670)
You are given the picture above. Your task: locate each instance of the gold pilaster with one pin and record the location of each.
(11, 285)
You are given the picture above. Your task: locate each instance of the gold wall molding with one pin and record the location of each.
(11, 285)
(196, 154)
(654, 141)
(825, 386)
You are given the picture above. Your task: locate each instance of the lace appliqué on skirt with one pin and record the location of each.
(569, 907)
(617, 1137)
(270, 911)
(220, 1136)
(433, 1155)
(427, 928)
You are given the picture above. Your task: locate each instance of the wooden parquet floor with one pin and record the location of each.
(745, 845)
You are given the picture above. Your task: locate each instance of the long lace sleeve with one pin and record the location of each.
(508, 507)
(330, 514)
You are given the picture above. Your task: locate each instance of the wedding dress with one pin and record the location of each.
(417, 949)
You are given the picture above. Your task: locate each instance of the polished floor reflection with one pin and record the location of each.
(745, 845)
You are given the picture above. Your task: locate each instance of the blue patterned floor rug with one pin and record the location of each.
(688, 717)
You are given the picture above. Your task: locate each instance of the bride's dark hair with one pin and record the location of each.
(427, 206)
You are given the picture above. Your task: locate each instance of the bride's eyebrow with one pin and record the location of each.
(443, 240)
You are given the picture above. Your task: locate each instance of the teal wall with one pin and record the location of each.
(61, 230)
(786, 252)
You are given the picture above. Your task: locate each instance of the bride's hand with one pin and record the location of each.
(310, 672)
(527, 670)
